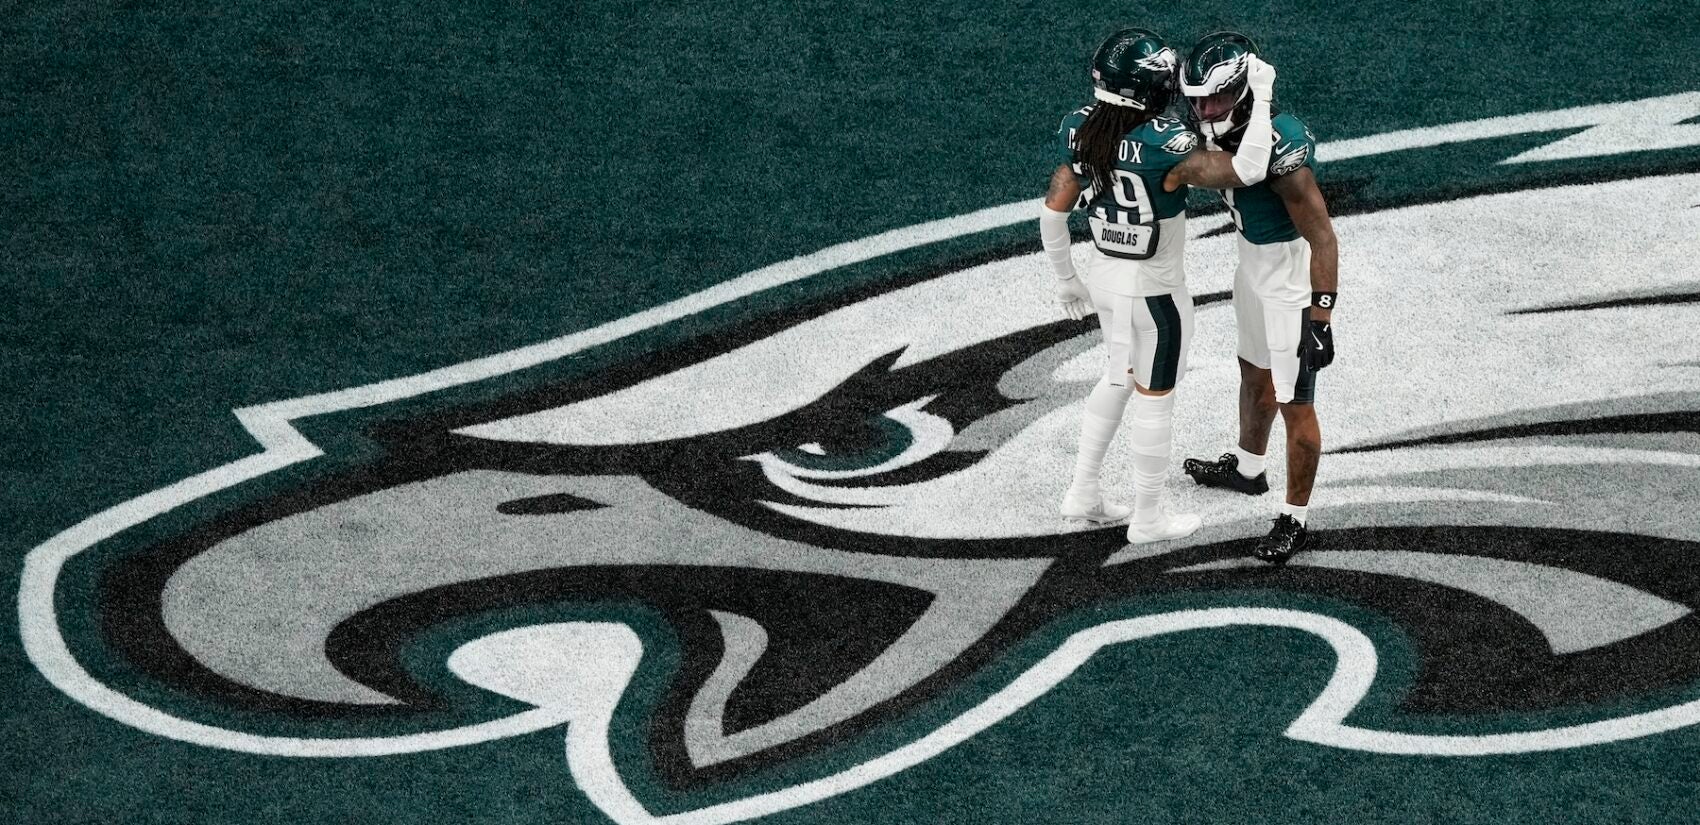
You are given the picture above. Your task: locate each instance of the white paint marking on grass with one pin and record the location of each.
(590, 760)
(1616, 128)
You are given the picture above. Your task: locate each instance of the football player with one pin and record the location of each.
(1284, 287)
(1113, 155)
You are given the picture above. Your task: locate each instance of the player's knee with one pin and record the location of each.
(1252, 374)
(1257, 388)
(1304, 432)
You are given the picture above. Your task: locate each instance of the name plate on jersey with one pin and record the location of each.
(1124, 240)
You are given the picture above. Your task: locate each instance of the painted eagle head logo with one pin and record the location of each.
(840, 511)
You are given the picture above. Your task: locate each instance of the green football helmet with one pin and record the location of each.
(1214, 82)
(1134, 68)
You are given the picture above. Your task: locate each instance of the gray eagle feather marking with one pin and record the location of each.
(258, 607)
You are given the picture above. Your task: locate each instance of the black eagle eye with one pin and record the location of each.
(869, 443)
(899, 437)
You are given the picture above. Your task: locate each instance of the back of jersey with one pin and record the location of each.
(1136, 220)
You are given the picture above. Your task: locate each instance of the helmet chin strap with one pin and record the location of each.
(1218, 129)
(1117, 100)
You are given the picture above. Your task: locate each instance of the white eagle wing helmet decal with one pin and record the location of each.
(1220, 77)
(1483, 335)
(1163, 60)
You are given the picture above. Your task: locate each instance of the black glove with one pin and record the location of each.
(1316, 345)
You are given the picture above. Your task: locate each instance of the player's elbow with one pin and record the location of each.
(1250, 174)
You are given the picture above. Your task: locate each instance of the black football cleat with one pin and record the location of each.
(1225, 472)
(1285, 539)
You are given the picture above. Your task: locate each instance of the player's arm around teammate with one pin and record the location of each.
(1247, 166)
(1113, 157)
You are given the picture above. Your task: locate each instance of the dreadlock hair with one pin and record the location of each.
(1099, 139)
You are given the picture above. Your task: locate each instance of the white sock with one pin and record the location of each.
(1149, 435)
(1097, 428)
(1297, 511)
(1251, 464)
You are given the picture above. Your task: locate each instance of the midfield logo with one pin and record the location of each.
(845, 511)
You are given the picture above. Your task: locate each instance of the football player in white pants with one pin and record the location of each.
(1113, 155)
(1284, 290)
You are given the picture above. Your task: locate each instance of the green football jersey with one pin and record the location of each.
(1124, 219)
(1258, 211)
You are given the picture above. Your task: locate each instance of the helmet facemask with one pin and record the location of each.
(1221, 114)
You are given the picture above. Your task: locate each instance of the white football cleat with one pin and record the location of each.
(1166, 526)
(1093, 511)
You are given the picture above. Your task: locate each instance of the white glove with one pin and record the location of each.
(1260, 76)
(1075, 301)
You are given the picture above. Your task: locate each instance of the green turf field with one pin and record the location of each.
(209, 207)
